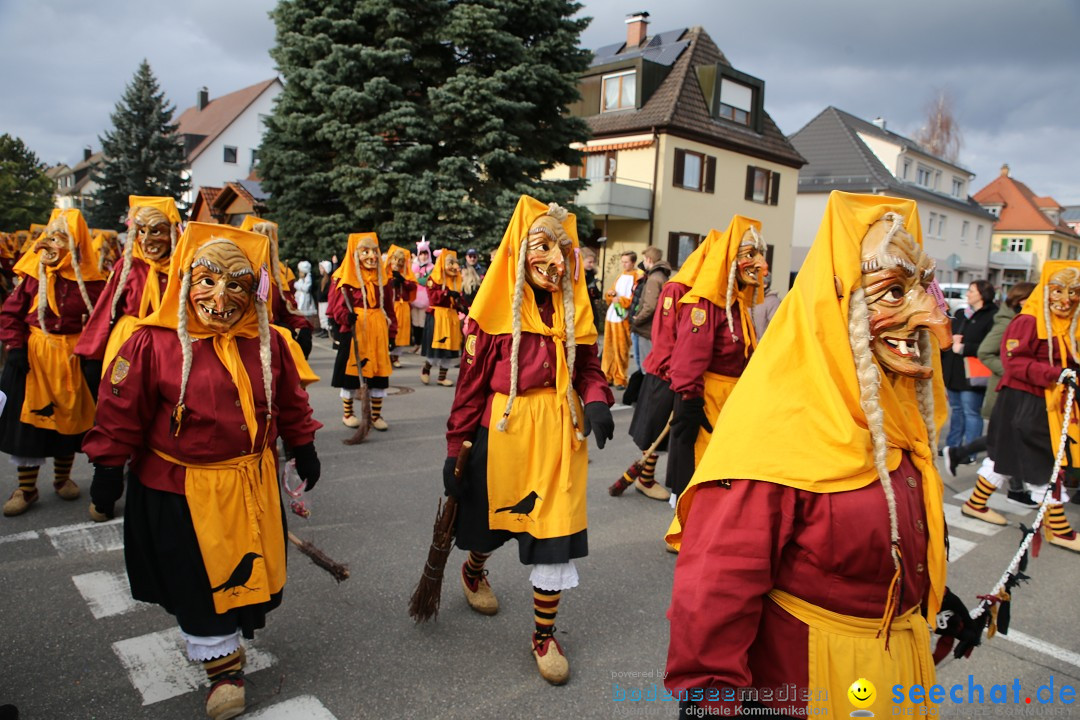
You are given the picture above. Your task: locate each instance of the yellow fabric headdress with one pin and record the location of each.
(166, 205)
(407, 273)
(692, 265)
(438, 274)
(807, 371)
(351, 273)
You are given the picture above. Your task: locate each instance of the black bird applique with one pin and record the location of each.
(523, 506)
(46, 411)
(442, 340)
(240, 575)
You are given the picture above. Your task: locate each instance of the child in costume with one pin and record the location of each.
(442, 328)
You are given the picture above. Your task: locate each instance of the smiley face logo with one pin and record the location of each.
(861, 694)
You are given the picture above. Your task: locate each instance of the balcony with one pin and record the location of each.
(617, 199)
(1012, 260)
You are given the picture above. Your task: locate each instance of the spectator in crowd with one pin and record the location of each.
(596, 296)
(969, 327)
(323, 296)
(616, 354)
(471, 276)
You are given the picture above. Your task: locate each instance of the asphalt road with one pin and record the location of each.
(75, 646)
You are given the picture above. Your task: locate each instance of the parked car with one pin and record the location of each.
(955, 295)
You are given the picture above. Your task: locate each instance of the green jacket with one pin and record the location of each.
(990, 355)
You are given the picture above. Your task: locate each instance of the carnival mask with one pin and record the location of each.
(222, 283)
(750, 265)
(895, 277)
(1063, 292)
(153, 232)
(451, 267)
(367, 254)
(397, 262)
(545, 259)
(54, 244)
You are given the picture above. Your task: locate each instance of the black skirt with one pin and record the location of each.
(429, 336)
(654, 404)
(18, 438)
(680, 462)
(340, 379)
(165, 567)
(473, 533)
(1018, 439)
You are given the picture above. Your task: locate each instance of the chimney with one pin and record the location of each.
(204, 98)
(880, 122)
(87, 152)
(1005, 170)
(636, 29)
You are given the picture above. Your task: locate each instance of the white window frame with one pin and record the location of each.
(1017, 244)
(619, 103)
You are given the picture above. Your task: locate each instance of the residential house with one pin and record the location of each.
(680, 142)
(1029, 230)
(1070, 215)
(848, 153)
(229, 205)
(222, 135)
(74, 186)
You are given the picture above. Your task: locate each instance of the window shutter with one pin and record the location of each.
(575, 172)
(680, 162)
(710, 173)
(1004, 244)
(673, 248)
(750, 182)
(774, 195)
(1027, 244)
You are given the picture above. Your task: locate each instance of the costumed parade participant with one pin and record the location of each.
(442, 328)
(361, 303)
(135, 290)
(616, 356)
(1039, 356)
(204, 527)
(818, 565)
(530, 390)
(398, 269)
(106, 245)
(49, 404)
(714, 342)
(421, 267)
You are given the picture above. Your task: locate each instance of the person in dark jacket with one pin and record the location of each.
(969, 327)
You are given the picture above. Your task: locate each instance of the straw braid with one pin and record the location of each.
(184, 336)
(43, 296)
(124, 272)
(924, 392)
(515, 344)
(571, 345)
(729, 297)
(265, 356)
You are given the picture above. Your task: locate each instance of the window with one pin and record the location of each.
(600, 166)
(923, 176)
(762, 185)
(694, 171)
(957, 187)
(1055, 249)
(736, 101)
(680, 245)
(932, 225)
(1017, 244)
(964, 231)
(941, 226)
(1072, 252)
(937, 179)
(254, 158)
(907, 168)
(978, 235)
(618, 91)
(230, 154)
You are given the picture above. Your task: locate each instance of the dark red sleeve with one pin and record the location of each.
(95, 335)
(473, 388)
(336, 307)
(589, 381)
(408, 292)
(693, 351)
(388, 309)
(731, 548)
(294, 421)
(1022, 361)
(439, 295)
(14, 329)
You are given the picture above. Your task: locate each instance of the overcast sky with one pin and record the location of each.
(1012, 66)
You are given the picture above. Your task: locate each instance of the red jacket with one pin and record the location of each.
(16, 318)
(1025, 359)
(96, 333)
(339, 310)
(664, 330)
(705, 347)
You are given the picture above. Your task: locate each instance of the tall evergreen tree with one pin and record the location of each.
(426, 117)
(144, 154)
(26, 193)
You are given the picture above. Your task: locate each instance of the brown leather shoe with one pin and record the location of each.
(379, 424)
(550, 659)
(350, 421)
(483, 599)
(19, 502)
(226, 698)
(1065, 541)
(985, 514)
(67, 489)
(656, 491)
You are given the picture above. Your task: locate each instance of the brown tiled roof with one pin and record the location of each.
(678, 107)
(1047, 202)
(1021, 207)
(218, 114)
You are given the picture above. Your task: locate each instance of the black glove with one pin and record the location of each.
(598, 417)
(18, 359)
(452, 486)
(954, 624)
(308, 466)
(303, 339)
(352, 320)
(691, 416)
(1068, 379)
(106, 488)
(399, 279)
(454, 294)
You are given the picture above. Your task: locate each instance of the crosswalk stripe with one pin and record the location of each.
(956, 519)
(28, 535)
(305, 707)
(87, 537)
(996, 501)
(158, 666)
(959, 547)
(1034, 643)
(106, 593)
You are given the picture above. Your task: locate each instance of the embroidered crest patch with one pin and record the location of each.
(470, 345)
(697, 316)
(667, 303)
(120, 370)
(1011, 344)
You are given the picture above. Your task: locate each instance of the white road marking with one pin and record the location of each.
(106, 593)
(305, 707)
(959, 547)
(158, 666)
(87, 537)
(619, 406)
(1034, 643)
(28, 535)
(998, 502)
(956, 519)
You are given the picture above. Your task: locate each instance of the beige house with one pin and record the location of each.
(680, 143)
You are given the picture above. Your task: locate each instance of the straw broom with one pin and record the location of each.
(337, 570)
(364, 427)
(634, 470)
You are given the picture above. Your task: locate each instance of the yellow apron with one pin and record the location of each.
(307, 375)
(236, 512)
(373, 336)
(842, 649)
(447, 330)
(57, 397)
(537, 469)
(404, 323)
(122, 330)
(717, 389)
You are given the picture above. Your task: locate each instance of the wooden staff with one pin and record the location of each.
(364, 427)
(635, 470)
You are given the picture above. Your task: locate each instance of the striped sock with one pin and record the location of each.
(376, 407)
(1057, 522)
(474, 568)
(442, 373)
(426, 369)
(28, 478)
(219, 667)
(545, 607)
(983, 491)
(347, 405)
(648, 471)
(62, 469)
